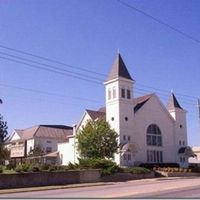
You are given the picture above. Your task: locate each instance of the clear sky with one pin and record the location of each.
(86, 34)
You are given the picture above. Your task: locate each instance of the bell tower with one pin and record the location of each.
(119, 98)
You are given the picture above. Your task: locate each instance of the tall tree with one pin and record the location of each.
(4, 153)
(3, 130)
(97, 140)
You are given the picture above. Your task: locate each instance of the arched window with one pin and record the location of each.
(154, 137)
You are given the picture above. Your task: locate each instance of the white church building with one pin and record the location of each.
(149, 132)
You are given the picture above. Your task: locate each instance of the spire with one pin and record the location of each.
(119, 69)
(173, 103)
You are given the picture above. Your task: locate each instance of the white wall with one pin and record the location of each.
(29, 145)
(153, 112)
(15, 136)
(48, 142)
(86, 117)
(67, 152)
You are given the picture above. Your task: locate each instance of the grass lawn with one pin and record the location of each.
(6, 171)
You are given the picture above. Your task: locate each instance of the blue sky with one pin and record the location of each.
(86, 34)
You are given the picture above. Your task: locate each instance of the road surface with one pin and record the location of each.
(146, 188)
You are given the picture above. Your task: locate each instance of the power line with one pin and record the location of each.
(49, 70)
(46, 93)
(159, 21)
(72, 74)
(47, 65)
(49, 60)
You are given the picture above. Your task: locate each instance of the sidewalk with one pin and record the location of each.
(52, 187)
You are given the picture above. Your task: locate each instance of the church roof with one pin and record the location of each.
(173, 103)
(119, 69)
(96, 114)
(140, 101)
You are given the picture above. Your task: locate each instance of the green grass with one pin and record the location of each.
(6, 171)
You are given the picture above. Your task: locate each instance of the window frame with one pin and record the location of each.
(153, 136)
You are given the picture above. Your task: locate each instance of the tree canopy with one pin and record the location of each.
(4, 153)
(36, 151)
(97, 140)
(3, 130)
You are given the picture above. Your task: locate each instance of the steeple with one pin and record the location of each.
(119, 69)
(173, 103)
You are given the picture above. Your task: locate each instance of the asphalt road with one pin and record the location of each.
(146, 188)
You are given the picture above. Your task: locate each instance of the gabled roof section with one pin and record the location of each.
(140, 101)
(119, 69)
(173, 103)
(102, 109)
(45, 131)
(96, 114)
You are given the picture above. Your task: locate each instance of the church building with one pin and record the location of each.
(149, 132)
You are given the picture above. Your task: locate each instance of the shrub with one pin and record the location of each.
(10, 166)
(195, 169)
(1, 169)
(34, 168)
(52, 168)
(72, 166)
(137, 170)
(157, 165)
(18, 168)
(22, 168)
(44, 167)
(107, 166)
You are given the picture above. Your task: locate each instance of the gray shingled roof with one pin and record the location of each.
(46, 131)
(96, 114)
(119, 69)
(140, 101)
(173, 103)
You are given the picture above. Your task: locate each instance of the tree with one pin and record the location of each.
(97, 140)
(4, 153)
(3, 130)
(36, 151)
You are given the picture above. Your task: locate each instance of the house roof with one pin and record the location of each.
(45, 131)
(173, 103)
(140, 101)
(119, 69)
(96, 114)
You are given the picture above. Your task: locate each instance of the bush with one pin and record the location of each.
(34, 168)
(107, 166)
(71, 166)
(52, 168)
(18, 168)
(1, 169)
(44, 167)
(137, 170)
(157, 165)
(10, 166)
(195, 169)
(22, 168)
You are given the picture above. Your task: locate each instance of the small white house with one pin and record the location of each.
(195, 161)
(21, 142)
(149, 132)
